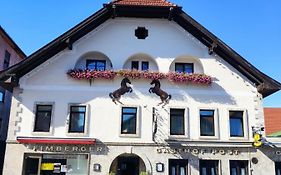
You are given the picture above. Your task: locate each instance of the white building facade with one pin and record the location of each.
(63, 120)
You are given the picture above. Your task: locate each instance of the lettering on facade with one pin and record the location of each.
(69, 149)
(197, 151)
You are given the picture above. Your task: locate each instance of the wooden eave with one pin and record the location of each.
(265, 84)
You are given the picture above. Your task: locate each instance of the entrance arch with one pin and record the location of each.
(127, 164)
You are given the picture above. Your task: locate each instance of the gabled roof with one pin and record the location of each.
(264, 83)
(160, 3)
(11, 42)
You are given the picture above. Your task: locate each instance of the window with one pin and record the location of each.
(209, 167)
(178, 167)
(77, 119)
(144, 65)
(135, 65)
(184, 67)
(129, 120)
(141, 33)
(207, 127)
(177, 122)
(236, 123)
(2, 96)
(43, 118)
(6, 60)
(238, 167)
(277, 168)
(98, 65)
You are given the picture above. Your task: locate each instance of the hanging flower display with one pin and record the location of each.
(136, 74)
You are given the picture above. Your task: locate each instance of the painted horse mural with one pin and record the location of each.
(164, 96)
(116, 95)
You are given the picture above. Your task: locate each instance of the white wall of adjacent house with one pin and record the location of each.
(115, 41)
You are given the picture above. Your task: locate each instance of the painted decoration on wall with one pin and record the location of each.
(164, 96)
(116, 95)
(183, 78)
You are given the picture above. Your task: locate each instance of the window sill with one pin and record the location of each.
(209, 138)
(239, 138)
(129, 135)
(42, 133)
(76, 134)
(181, 137)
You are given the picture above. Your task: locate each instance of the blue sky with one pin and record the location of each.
(252, 28)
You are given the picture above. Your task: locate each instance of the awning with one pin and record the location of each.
(52, 140)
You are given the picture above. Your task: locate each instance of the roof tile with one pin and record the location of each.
(272, 117)
(156, 3)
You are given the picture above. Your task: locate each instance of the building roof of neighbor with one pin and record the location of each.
(140, 9)
(272, 118)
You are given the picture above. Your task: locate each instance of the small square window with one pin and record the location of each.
(129, 120)
(144, 65)
(98, 65)
(207, 125)
(177, 122)
(135, 65)
(184, 67)
(238, 167)
(77, 119)
(236, 123)
(43, 118)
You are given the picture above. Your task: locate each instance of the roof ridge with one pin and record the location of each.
(156, 3)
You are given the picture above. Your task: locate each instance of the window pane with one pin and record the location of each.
(208, 167)
(129, 121)
(1, 96)
(77, 121)
(78, 108)
(207, 123)
(135, 65)
(43, 118)
(184, 67)
(144, 65)
(236, 123)
(99, 65)
(238, 167)
(177, 122)
(178, 167)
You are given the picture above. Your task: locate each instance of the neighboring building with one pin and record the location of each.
(63, 120)
(10, 54)
(272, 118)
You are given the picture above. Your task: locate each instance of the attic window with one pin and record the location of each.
(141, 33)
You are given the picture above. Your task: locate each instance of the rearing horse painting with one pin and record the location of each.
(116, 95)
(164, 96)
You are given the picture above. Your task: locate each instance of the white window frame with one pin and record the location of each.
(86, 126)
(245, 124)
(138, 119)
(51, 130)
(186, 123)
(216, 124)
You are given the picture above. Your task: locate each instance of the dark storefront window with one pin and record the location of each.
(129, 120)
(178, 167)
(209, 167)
(177, 122)
(238, 167)
(207, 127)
(236, 123)
(43, 118)
(77, 119)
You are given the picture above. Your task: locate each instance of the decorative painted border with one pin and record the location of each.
(87, 74)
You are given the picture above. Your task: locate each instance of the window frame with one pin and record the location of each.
(51, 129)
(184, 63)
(245, 124)
(179, 162)
(138, 119)
(218, 168)
(142, 65)
(86, 122)
(216, 124)
(135, 61)
(247, 168)
(186, 123)
(95, 60)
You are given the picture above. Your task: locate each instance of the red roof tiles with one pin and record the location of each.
(156, 3)
(272, 118)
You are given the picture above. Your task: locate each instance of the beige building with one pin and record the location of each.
(139, 87)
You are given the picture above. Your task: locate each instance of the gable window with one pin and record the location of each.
(135, 65)
(238, 167)
(236, 123)
(98, 65)
(43, 118)
(209, 167)
(77, 119)
(2, 96)
(129, 120)
(144, 65)
(177, 124)
(6, 60)
(184, 67)
(178, 167)
(207, 125)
